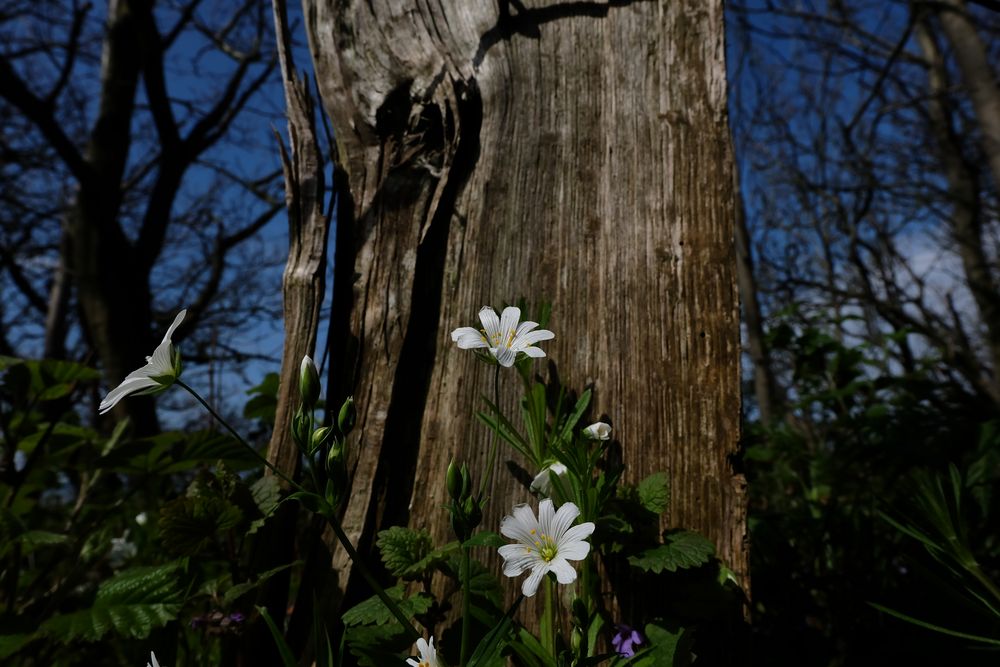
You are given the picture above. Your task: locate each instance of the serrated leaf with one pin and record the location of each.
(127, 620)
(680, 550)
(189, 525)
(374, 612)
(654, 493)
(403, 548)
(131, 603)
(266, 493)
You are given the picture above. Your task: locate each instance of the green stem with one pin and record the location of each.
(370, 578)
(332, 520)
(466, 603)
(491, 461)
(239, 438)
(548, 630)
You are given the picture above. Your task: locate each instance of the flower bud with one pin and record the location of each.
(454, 480)
(598, 431)
(336, 455)
(320, 436)
(347, 417)
(309, 386)
(300, 431)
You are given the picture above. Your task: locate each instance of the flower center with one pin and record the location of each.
(546, 547)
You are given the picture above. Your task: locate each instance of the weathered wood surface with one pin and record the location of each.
(576, 152)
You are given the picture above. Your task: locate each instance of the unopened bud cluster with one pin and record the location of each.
(325, 447)
(466, 511)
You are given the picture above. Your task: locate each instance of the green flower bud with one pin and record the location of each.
(309, 386)
(454, 479)
(320, 436)
(336, 455)
(347, 417)
(300, 431)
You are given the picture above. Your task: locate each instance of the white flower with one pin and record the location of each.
(545, 545)
(428, 654)
(142, 518)
(598, 431)
(542, 483)
(121, 550)
(503, 336)
(154, 663)
(160, 371)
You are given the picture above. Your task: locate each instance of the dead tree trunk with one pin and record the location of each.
(575, 152)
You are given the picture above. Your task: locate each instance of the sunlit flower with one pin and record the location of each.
(428, 655)
(544, 545)
(160, 371)
(542, 483)
(152, 662)
(625, 640)
(598, 431)
(142, 518)
(504, 337)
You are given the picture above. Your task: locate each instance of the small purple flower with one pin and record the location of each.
(624, 640)
(237, 617)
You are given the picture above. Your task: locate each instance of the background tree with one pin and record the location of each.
(102, 189)
(574, 153)
(864, 136)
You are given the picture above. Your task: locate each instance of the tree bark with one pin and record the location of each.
(573, 152)
(963, 195)
(977, 74)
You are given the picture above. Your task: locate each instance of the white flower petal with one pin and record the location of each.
(130, 386)
(518, 559)
(524, 327)
(491, 323)
(152, 660)
(565, 574)
(532, 337)
(505, 356)
(508, 324)
(574, 550)
(563, 519)
(546, 510)
(578, 533)
(173, 327)
(535, 352)
(530, 586)
(468, 338)
(519, 525)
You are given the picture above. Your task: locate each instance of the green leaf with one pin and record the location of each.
(374, 612)
(680, 550)
(485, 538)
(493, 643)
(189, 525)
(666, 647)
(54, 379)
(34, 539)
(266, 493)
(238, 590)
(264, 403)
(936, 628)
(403, 548)
(131, 604)
(286, 653)
(11, 644)
(654, 493)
